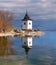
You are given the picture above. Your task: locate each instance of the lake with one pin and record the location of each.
(41, 51)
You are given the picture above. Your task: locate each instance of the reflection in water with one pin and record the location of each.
(42, 53)
(7, 53)
(5, 47)
(27, 44)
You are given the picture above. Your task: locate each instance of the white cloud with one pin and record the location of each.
(22, 0)
(44, 0)
(7, 4)
(40, 8)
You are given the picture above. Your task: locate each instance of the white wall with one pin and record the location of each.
(27, 25)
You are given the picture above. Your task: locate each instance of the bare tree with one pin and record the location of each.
(5, 18)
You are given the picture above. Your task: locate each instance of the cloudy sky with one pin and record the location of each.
(38, 9)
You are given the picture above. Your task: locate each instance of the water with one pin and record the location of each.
(41, 52)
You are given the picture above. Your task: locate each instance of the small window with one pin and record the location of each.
(24, 23)
(29, 42)
(29, 23)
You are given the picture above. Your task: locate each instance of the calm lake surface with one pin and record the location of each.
(43, 51)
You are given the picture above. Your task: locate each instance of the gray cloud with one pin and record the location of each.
(43, 9)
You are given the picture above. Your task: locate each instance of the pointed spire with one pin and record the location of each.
(26, 17)
(26, 11)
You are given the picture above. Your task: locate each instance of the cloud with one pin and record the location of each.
(7, 4)
(22, 0)
(42, 9)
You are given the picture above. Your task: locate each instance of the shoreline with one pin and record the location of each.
(23, 33)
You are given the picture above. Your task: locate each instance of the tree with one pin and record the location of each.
(5, 18)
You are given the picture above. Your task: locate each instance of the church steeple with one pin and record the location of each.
(26, 22)
(26, 17)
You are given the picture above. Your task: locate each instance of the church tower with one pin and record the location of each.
(26, 22)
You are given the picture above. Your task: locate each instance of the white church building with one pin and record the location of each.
(26, 22)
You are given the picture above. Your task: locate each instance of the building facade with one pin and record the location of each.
(26, 22)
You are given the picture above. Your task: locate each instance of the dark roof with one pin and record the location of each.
(26, 17)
